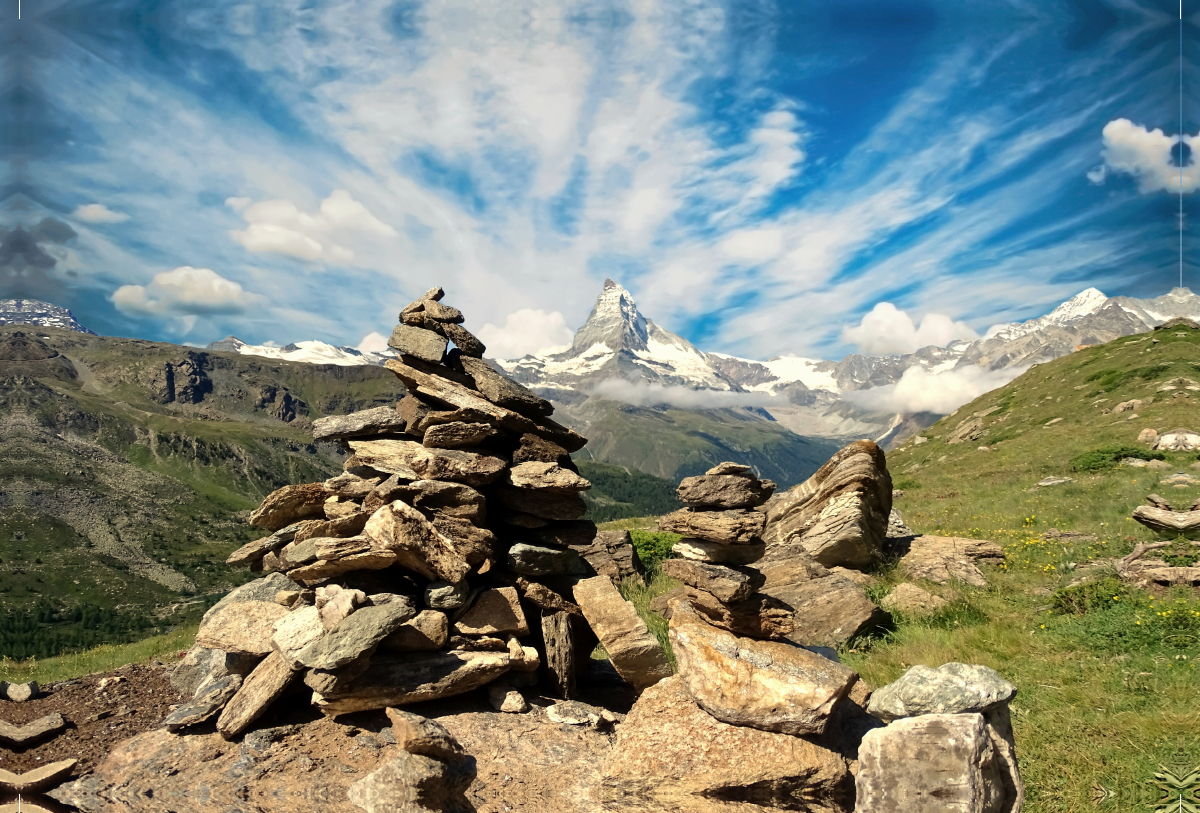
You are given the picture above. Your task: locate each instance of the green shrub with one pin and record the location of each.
(1088, 597)
(906, 483)
(653, 546)
(1107, 456)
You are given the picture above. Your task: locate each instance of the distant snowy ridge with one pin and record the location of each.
(311, 352)
(35, 312)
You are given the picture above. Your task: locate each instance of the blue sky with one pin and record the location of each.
(760, 175)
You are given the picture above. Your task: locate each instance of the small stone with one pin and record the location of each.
(908, 599)
(335, 603)
(286, 598)
(534, 560)
(701, 550)
(211, 699)
(35, 781)
(546, 477)
(505, 698)
(442, 313)
(444, 595)
(494, 611)
(427, 632)
(21, 692)
(572, 712)
(416, 341)
(1147, 436)
(245, 627)
(42, 728)
(420, 735)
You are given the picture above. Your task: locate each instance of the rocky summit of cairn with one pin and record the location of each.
(450, 555)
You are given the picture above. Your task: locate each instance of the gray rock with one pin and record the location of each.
(265, 684)
(443, 595)
(968, 430)
(358, 633)
(466, 342)
(953, 688)
(416, 341)
(208, 702)
(410, 783)
(245, 627)
(201, 665)
(503, 391)
(534, 560)
(438, 312)
(377, 421)
(939, 763)
(397, 680)
(725, 491)
(263, 589)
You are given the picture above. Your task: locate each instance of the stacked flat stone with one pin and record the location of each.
(414, 574)
(722, 535)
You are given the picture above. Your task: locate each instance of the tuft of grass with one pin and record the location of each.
(103, 658)
(653, 546)
(641, 594)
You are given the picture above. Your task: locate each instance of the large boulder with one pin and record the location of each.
(671, 755)
(829, 607)
(840, 514)
(769, 685)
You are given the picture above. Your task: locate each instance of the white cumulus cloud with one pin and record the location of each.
(1145, 154)
(278, 226)
(99, 213)
(918, 390)
(642, 393)
(887, 330)
(373, 342)
(184, 292)
(529, 330)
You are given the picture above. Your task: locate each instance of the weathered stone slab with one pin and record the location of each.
(440, 498)
(332, 528)
(535, 560)
(207, 702)
(463, 339)
(295, 631)
(254, 551)
(759, 616)
(245, 627)
(264, 685)
(349, 486)
(324, 569)
(455, 465)
(290, 504)
(939, 763)
(40, 729)
(503, 391)
(953, 688)
(943, 559)
(830, 608)
(723, 582)
(201, 665)
(724, 491)
(37, 780)
(634, 651)
(457, 435)
(358, 633)
(377, 421)
(402, 679)
(444, 595)
(908, 599)
(560, 653)
(840, 514)
(539, 476)
(427, 632)
(769, 685)
(493, 612)
(417, 544)
(671, 756)
(416, 341)
(700, 550)
(734, 527)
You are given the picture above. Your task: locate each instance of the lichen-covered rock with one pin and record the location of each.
(840, 514)
(953, 688)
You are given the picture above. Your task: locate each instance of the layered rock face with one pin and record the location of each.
(450, 554)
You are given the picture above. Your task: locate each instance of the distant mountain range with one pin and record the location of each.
(313, 352)
(33, 312)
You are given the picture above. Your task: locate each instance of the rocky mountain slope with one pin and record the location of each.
(35, 312)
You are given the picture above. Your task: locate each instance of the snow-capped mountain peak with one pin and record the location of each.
(35, 312)
(614, 322)
(312, 352)
(1083, 304)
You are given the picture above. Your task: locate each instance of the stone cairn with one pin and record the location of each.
(449, 555)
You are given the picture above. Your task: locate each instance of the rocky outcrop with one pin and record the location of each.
(944, 559)
(840, 514)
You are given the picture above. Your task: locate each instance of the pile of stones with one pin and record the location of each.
(449, 555)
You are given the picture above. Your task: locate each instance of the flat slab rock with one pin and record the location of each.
(37, 780)
(724, 491)
(725, 583)
(768, 685)
(29, 733)
(494, 612)
(732, 527)
(943, 559)
(671, 755)
(245, 627)
(830, 608)
(377, 421)
(407, 678)
(633, 650)
(953, 688)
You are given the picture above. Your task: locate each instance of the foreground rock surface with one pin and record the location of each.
(671, 756)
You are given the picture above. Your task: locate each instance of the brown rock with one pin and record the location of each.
(296, 631)
(534, 449)
(289, 504)
(245, 627)
(473, 543)
(428, 632)
(331, 549)
(324, 569)
(830, 609)
(420, 735)
(943, 559)
(351, 487)
(37, 780)
(671, 756)
(403, 679)
(454, 465)
(265, 684)
(759, 616)
(416, 341)
(457, 435)
(464, 340)
(908, 599)
(436, 497)
(417, 544)
(540, 476)
(256, 550)
(769, 685)
(544, 504)
(336, 508)
(742, 527)
(501, 390)
(335, 529)
(725, 491)
(560, 653)
(840, 514)
(494, 611)
(634, 651)
(377, 421)
(723, 583)
(408, 783)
